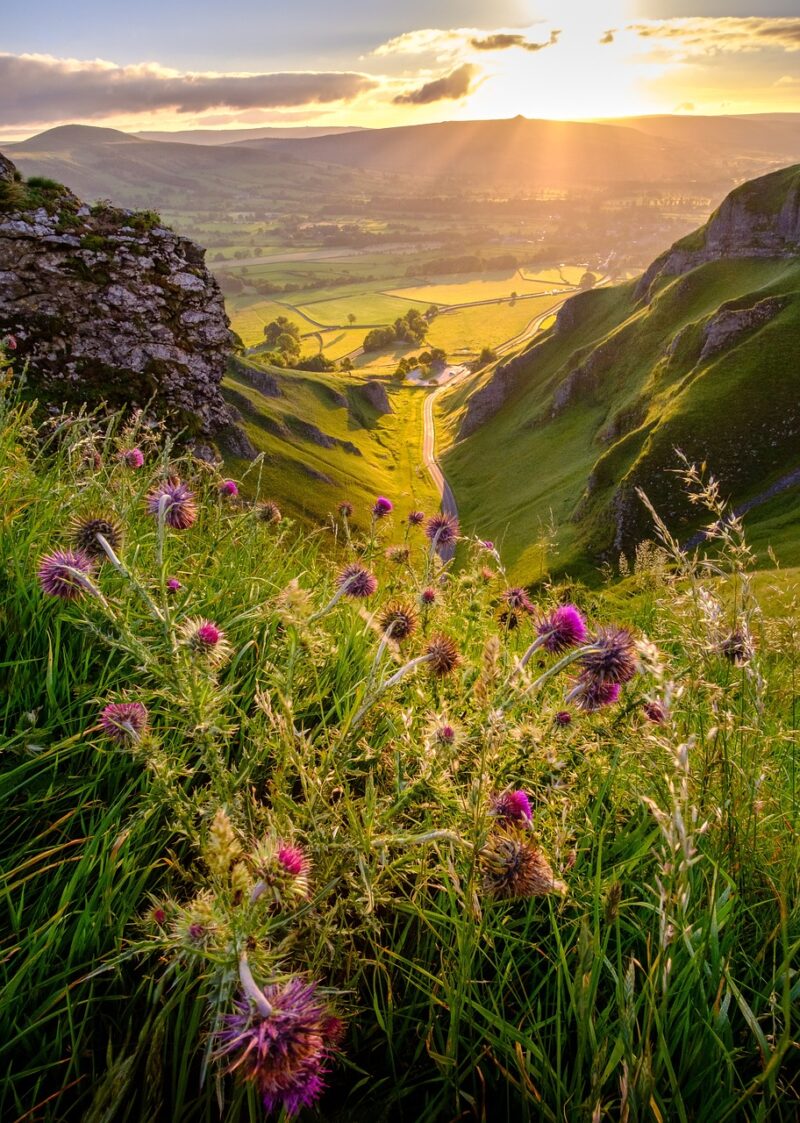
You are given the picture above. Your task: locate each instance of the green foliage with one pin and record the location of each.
(410, 328)
(662, 984)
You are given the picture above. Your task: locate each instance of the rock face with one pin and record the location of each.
(108, 305)
(731, 323)
(374, 393)
(759, 219)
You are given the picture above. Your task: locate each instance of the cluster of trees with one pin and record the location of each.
(233, 283)
(411, 328)
(283, 342)
(425, 361)
(463, 263)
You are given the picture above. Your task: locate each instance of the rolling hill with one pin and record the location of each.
(698, 354)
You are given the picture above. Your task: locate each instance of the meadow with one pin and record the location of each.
(444, 851)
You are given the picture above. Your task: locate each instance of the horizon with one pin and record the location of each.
(379, 68)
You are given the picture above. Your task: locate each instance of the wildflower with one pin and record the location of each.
(612, 657)
(346, 509)
(428, 596)
(85, 529)
(398, 621)
(518, 600)
(488, 545)
(398, 554)
(229, 488)
(655, 711)
(205, 640)
(512, 807)
(124, 722)
(177, 502)
(196, 924)
(282, 869)
(513, 867)
(356, 581)
(10, 342)
(442, 655)
(173, 585)
(222, 847)
(591, 694)
(416, 518)
(269, 512)
(133, 457)
(445, 734)
(66, 573)
(159, 915)
(563, 717)
(737, 648)
(382, 507)
(281, 1038)
(486, 574)
(442, 530)
(563, 628)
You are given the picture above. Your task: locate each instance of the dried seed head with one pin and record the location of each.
(85, 528)
(443, 655)
(514, 867)
(613, 657)
(398, 621)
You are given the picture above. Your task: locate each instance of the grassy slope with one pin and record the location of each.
(513, 472)
(389, 444)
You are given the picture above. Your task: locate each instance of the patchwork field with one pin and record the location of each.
(371, 309)
(250, 314)
(469, 288)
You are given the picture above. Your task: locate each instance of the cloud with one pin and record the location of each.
(608, 36)
(501, 41)
(685, 107)
(38, 89)
(788, 80)
(457, 84)
(708, 35)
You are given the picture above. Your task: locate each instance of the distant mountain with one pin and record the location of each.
(68, 137)
(244, 136)
(699, 354)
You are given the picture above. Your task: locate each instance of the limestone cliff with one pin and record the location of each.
(107, 305)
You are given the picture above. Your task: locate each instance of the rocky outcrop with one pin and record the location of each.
(374, 394)
(107, 305)
(730, 323)
(759, 219)
(490, 398)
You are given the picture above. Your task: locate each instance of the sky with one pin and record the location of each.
(176, 64)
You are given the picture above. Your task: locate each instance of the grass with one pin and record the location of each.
(469, 330)
(249, 315)
(372, 309)
(661, 984)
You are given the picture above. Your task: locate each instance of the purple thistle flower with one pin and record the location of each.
(428, 596)
(563, 628)
(612, 657)
(66, 573)
(563, 717)
(206, 640)
(356, 581)
(445, 734)
(124, 722)
(442, 529)
(208, 634)
(512, 807)
(516, 598)
(229, 487)
(415, 518)
(173, 585)
(283, 1046)
(591, 694)
(488, 545)
(655, 711)
(382, 507)
(133, 457)
(180, 509)
(292, 859)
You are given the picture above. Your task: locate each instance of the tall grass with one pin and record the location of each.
(661, 986)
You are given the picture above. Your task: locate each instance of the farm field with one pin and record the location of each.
(469, 288)
(339, 342)
(468, 330)
(369, 308)
(249, 315)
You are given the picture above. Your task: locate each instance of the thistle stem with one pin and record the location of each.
(251, 989)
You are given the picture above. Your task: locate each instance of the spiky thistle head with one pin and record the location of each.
(513, 867)
(66, 573)
(398, 554)
(177, 501)
(442, 655)
(357, 581)
(133, 457)
(345, 509)
(612, 658)
(562, 629)
(512, 807)
(84, 530)
(416, 518)
(655, 711)
(229, 488)
(445, 734)
(282, 1043)
(428, 596)
(591, 694)
(282, 869)
(515, 606)
(382, 507)
(398, 621)
(442, 529)
(124, 722)
(269, 512)
(737, 648)
(563, 717)
(486, 574)
(173, 585)
(205, 640)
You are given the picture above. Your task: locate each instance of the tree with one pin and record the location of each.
(346, 364)
(487, 355)
(351, 318)
(283, 329)
(587, 281)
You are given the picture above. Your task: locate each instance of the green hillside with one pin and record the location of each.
(325, 440)
(700, 355)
